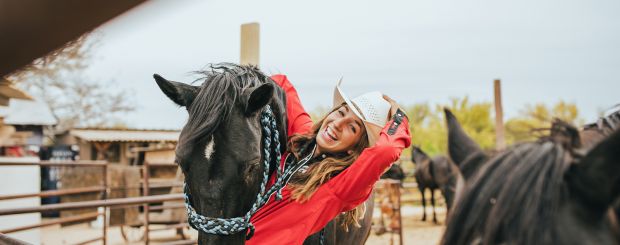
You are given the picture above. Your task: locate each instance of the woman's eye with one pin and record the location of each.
(353, 129)
(341, 113)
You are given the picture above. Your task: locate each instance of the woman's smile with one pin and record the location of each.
(329, 134)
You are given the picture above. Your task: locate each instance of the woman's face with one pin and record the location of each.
(340, 131)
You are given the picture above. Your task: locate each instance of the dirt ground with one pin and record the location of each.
(414, 232)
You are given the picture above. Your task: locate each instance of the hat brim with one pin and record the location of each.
(340, 97)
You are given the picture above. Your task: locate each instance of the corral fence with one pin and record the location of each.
(102, 205)
(105, 203)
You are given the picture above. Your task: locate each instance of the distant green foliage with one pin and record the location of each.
(428, 127)
(534, 119)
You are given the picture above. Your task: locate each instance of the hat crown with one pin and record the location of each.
(373, 107)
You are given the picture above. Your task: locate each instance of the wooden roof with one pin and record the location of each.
(33, 28)
(126, 135)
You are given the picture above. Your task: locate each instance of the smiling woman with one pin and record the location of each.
(340, 157)
(339, 132)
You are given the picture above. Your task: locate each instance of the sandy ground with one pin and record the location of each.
(414, 232)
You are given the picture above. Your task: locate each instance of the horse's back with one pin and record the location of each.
(423, 175)
(443, 170)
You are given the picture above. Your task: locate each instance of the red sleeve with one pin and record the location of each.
(354, 184)
(298, 120)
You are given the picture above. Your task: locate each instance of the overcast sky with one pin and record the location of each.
(415, 51)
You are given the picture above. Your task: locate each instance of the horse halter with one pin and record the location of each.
(229, 226)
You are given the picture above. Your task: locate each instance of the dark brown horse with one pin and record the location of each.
(586, 138)
(434, 173)
(220, 147)
(533, 193)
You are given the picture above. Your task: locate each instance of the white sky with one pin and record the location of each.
(415, 51)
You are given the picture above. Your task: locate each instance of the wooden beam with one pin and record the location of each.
(83, 217)
(250, 44)
(32, 28)
(500, 141)
(128, 201)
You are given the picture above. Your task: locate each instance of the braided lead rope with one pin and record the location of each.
(221, 226)
(276, 136)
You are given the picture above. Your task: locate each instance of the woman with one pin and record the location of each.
(348, 150)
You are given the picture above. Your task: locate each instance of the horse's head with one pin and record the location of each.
(395, 172)
(220, 146)
(533, 193)
(418, 156)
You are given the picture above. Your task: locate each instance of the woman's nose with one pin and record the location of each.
(338, 123)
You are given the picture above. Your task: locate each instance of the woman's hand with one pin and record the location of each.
(394, 107)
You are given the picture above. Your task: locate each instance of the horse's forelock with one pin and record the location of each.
(222, 87)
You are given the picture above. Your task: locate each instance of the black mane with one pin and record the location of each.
(519, 206)
(223, 83)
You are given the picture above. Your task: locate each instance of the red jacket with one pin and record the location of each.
(290, 222)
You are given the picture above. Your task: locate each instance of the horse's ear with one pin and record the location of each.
(257, 97)
(596, 178)
(462, 149)
(417, 153)
(182, 94)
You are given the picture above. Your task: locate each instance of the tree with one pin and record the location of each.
(534, 119)
(428, 128)
(75, 100)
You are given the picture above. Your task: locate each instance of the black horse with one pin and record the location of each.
(220, 147)
(586, 138)
(434, 173)
(533, 193)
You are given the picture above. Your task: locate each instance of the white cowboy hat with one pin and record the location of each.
(371, 107)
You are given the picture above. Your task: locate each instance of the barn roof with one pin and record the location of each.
(126, 135)
(27, 112)
(8, 90)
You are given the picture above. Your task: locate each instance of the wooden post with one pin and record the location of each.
(500, 142)
(145, 192)
(250, 44)
(105, 209)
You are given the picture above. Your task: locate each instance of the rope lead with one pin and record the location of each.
(219, 226)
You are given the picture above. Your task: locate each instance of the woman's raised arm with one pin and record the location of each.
(298, 120)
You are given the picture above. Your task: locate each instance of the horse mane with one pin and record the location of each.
(512, 198)
(223, 83)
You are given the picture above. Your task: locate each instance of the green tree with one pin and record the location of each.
(428, 127)
(535, 119)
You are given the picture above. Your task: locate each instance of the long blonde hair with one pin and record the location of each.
(305, 184)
